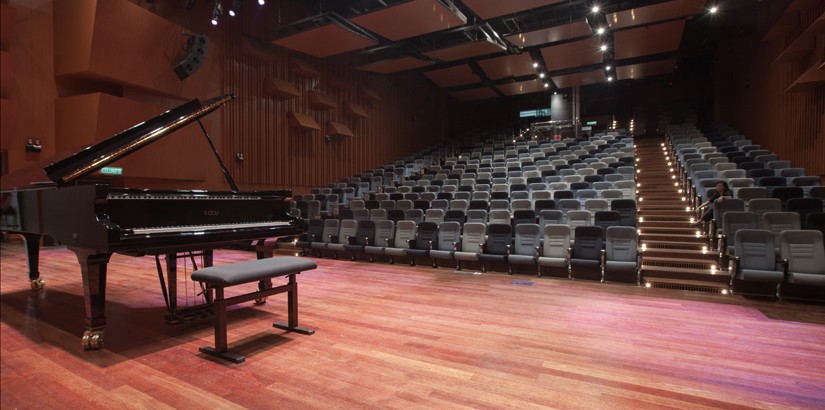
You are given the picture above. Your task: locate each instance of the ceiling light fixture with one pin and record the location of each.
(595, 8)
(261, 2)
(546, 85)
(603, 47)
(236, 8)
(600, 30)
(713, 9)
(535, 65)
(609, 79)
(608, 68)
(217, 12)
(542, 75)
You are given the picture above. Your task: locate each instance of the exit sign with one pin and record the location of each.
(590, 123)
(111, 170)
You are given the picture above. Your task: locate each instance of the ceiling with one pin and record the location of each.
(485, 49)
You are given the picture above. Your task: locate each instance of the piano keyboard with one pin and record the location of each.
(202, 228)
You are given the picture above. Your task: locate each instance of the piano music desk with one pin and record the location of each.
(262, 271)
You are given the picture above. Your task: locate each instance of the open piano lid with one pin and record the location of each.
(98, 155)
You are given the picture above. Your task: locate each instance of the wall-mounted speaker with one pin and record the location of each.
(196, 46)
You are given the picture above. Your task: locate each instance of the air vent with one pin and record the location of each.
(692, 288)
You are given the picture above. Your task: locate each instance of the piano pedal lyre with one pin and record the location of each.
(92, 339)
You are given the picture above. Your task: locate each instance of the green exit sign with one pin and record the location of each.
(111, 170)
(590, 123)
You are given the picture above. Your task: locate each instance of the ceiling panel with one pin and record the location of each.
(647, 40)
(636, 71)
(476, 48)
(325, 41)
(452, 76)
(514, 65)
(522, 87)
(574, 54)
(493, 8)
(585, 78)
(392, 66)
(551, 35)
(475, 94)
(658, 12)
(409, 19)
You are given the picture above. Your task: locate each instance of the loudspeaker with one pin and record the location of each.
(196, 46)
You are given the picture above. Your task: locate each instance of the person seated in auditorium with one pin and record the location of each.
(719, 194)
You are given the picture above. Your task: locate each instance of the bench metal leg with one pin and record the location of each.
(220, 350)
(292, 303)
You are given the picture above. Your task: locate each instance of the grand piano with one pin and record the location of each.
(95, 220)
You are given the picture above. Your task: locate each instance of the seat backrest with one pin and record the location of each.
(726, 205)
(473, 237)
(804, 251)
(588, 243)
(414, 215)
(378, 214)
(434, 215)
(498, 216)
(556, 240)
(365, 232)
(621, 243)
(477, 216)
(449, 233)
(331, 227)
(315, 229)
(777, 222)
(499, 236)
(755, 249)
(528, 238)
(605, 219)
(384, 233)
(349, 227)
(761, 205)
(455, 215)
(733, 221)
(404, 232)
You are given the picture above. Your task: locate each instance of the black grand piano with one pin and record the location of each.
(95, 220)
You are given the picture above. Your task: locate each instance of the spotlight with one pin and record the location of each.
(261, 2)
(609, 79)
(217, 12)
(236, 8)
(603, 47)
(541, 75)
(713, 9)
(608, 68)
(535, 65)
(600, 30)
(546, 85)
(595, 9)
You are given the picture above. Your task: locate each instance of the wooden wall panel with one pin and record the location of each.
(409, 117)
(750, 95)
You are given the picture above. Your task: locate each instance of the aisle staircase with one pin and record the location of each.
(675, 255)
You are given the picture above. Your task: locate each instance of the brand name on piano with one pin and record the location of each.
(211, 212)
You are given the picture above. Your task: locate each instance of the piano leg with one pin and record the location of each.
(93, 270)
(32, 242)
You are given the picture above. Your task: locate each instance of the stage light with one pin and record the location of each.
(217, 12)
(236, 8)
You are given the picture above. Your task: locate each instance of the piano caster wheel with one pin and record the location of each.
(260, 301)
(92, 339)
(37, 284)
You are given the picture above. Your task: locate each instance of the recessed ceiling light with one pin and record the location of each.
(603, 47)
(608, 68)
(600, 30)
(713, 9)
(541, 75)
(546, 85)
(609, 79)
(595, 9)
(535, 65)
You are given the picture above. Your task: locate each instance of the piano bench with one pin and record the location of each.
(262, 271)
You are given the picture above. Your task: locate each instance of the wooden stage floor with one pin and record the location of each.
(394, 336)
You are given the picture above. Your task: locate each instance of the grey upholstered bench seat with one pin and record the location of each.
(262, 271)
(251, 271)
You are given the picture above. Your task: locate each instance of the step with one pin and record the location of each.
(703, 275)
(692, 260)
(691, 285)
(647, 237)
(678, 253)
(675, 245)
(646, 224)
(687, 231)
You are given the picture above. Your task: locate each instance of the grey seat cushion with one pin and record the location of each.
(252, 271)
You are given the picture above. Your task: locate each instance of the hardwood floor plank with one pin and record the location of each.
(395, 336)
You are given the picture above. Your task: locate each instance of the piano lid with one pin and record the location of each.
(100, 154)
